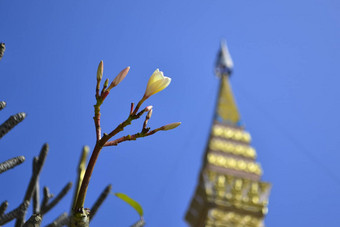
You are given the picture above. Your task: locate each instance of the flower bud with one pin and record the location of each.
(170, 126)
(148, 108)
(156, 83)
(148, 116)
(100, 71)
(106, 83)
(119, 78)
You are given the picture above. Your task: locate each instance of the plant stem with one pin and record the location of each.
(84, 185)
(96, 118)
(94, 156)
(130, 137)
(101, 141)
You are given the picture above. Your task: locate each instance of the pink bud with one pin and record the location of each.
(119, 78)
(148, 108)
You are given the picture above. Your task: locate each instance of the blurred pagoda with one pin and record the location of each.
(230, 192)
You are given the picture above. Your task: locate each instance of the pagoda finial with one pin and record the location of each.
(224, 63)
(226, 111)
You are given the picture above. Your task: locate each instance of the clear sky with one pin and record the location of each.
(285, 81)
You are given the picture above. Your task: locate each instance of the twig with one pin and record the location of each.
(33, 221)
(100, 201)
(36, 193)
(11, 163)
(2, 105)
(98, 147)
(39, 164)
(32, 183)
(81, 171)
(131, 108)
(15, 213)
(61, 220)
(139, 223)
(46, 197)
(2, 49)
(96, 119)
(3, 207)
(131, 137)
(57, 199)
(10, 123)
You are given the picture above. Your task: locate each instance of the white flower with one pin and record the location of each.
(156, 83)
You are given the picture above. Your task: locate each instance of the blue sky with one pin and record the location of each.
(285, 81)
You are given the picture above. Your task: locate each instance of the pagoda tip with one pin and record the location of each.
(224, 63)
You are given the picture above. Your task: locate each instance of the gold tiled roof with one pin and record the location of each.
(232, 163)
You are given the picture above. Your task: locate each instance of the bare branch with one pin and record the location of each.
(2, 49)
(33, 221)
(46, 197)
(11, 163)
(32, 183)
(2, 105)
(10, 123)
(139, 223)
(14, 213)
(100, 201)
(80, 217)
(39, 164)
(57, 199)
(61, 220)
(81, 171)
(3, 207)
(36, 193)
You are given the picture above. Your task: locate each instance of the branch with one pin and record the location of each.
(2, 49)
(36, 193)
(57, 199)
(46, 198)
(128, 121)
(100, 201)
(33, 221)
(145, 132)
(11, 163)
(80, 218)
(139, 223)
(14, 213)
(81, 171)
(3, 207)
(96, 119)
(11, 122)
(130, 137)
(33, 181)
(61, 220)
(95, 153)
(2, 105)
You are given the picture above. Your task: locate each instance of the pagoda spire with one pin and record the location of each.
(230, 191)
(226, 108)
(224, 63)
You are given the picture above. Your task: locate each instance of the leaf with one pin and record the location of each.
(135, 205)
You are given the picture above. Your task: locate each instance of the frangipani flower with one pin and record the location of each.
(156, 83)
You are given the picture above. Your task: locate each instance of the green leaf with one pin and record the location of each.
(131, 202)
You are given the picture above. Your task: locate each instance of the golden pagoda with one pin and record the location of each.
(230, 192)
